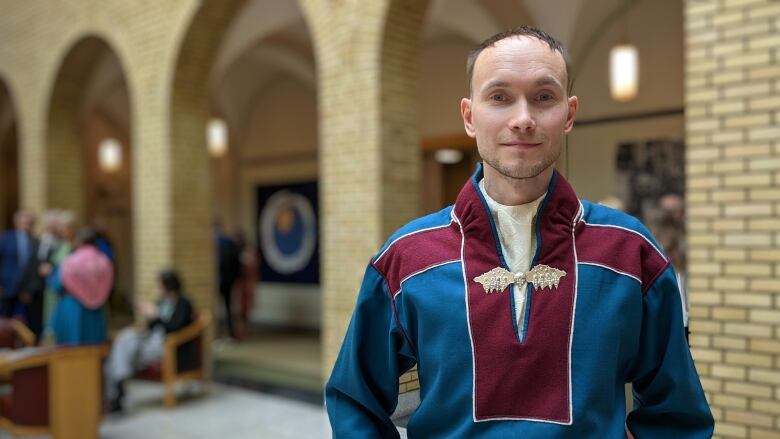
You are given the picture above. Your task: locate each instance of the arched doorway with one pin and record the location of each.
(9, 158)
(89, 153)
(262, 106)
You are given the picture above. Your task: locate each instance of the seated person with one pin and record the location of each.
(134, 348)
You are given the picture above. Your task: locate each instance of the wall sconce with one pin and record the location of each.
(217, 137)
(110, 155)
(623, 72)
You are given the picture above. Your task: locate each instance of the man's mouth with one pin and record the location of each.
(521, 144)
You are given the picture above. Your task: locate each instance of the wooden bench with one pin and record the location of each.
(14, 334)
(172, 370)
(55, 391)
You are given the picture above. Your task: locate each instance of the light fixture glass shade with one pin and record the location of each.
(217, 137)
(448, 156)
(623, 72)
(110, 155)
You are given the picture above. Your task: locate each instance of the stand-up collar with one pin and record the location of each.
(559, 208)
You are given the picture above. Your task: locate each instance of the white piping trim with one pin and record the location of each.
(468, 320)
(546, 421)
(409, 234)
(631, 231)
(439, 264)
(612, 269)
(573, 315)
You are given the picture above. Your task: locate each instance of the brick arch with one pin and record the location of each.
(190, 170)
(80, 116)
(66, 150)
(9, 153)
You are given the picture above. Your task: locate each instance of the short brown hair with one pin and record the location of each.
(520, 31)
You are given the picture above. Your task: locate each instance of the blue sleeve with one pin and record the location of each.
(668, 397)
(362, 390)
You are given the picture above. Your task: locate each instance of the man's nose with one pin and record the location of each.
(522, 118)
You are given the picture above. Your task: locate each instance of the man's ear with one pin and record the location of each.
(465, 112)
(573, 105)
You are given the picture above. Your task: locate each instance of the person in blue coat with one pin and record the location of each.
(525, 309)
(84, 281)
(18, 248)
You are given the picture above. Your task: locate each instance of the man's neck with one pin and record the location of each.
(515, 191)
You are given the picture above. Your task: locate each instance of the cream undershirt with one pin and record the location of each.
(515, 226)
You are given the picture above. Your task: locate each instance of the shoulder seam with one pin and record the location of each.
(650, 284)
(415, 232)
(421, 271)
(614, 226)
(613, 269)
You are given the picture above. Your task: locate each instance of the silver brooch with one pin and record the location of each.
(541, 276)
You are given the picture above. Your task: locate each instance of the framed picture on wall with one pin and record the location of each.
(287, 233)
(647, 171)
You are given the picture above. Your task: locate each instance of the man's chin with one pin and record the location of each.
(524, 172)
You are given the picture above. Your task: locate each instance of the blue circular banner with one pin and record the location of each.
(288, 231)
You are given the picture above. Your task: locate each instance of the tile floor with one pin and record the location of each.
(225, 412)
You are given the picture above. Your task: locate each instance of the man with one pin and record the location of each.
(543, 351)
(18, 249)
(228, 269)
(33, 282)
(49, 240)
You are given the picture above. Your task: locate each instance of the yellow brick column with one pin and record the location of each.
(733, 196)
(369, 153)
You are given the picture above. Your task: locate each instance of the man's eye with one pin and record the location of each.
(544, 97)
(498, 97)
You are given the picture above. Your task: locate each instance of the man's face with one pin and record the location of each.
(25, 222)
(519, 110)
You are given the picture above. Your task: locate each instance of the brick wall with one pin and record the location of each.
(733, 164)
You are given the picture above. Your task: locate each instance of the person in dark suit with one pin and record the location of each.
(32, 285)
(30, 297)
(229, 268)
(18, 248)
(134, 348)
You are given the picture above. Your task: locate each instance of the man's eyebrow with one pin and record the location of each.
(495, 83)
(547, 80)
(542, 81)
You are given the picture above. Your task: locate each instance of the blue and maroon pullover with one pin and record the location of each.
(614, 318)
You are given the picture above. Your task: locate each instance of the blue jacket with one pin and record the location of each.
(10, 267)
(614, 318)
